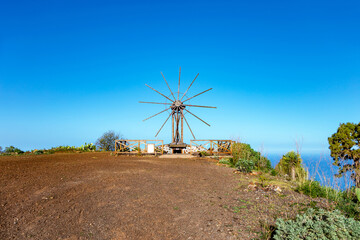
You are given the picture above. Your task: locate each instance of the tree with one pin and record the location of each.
(107, 140)
(12, 150)
(345, 150)
(291, 164)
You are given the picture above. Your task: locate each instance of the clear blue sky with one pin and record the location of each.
(280, 70)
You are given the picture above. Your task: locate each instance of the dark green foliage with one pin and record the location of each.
(204, 154)
(38, 152)
(273, 172)
(0, 149)
(345, 150)
(264, 181)
(346, 201)
(349, 203)
(12, 150)
(357, 193)
(107, 141)
(291, 164)
(63, 149)
(136, 149)
(245, 165)
(87, 147)
(318, 224)
(83, 148)
(225, 161)
(50, 151)
(232, 162)
(247, 158)
(314, 189)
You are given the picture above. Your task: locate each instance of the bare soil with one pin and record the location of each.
(98, 196)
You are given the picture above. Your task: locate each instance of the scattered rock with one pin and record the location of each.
(252, 186)
(274, 188)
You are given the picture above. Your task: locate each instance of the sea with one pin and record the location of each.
(321, 169)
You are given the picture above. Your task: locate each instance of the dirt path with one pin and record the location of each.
(97, 196)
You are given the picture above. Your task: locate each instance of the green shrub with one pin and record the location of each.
(50, 151)
(204, 154)
(12, 149)
(243, 151)
(38, 152)
(83, 148)
(357, 193)
(87, 147)
(244, 165)
(291, 165)
(346, 201)
(314, 189)
(0, 149)
(232, 162)
(318, 224)
(135, 149)
(273, 172)
(224, 161)
(349, 208)
(63, 149)
(264, 181)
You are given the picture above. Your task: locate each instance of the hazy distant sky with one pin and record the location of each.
(281, 71)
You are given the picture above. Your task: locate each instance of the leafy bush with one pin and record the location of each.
(244, 165)
(291, 165)
(264, 181)
(204, 154)
(63, 149)
(107, 141)
(50, 151)
(346, 201)
(357, 193)
(318, 224)
(314, 189)
(224, 161)
(245, 154)
(12, 150)
(0, 149)
(38, 152)
(83, 148)
(87, 147)
(135, 149)
(273, 172)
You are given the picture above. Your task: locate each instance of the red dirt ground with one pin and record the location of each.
(98, 196)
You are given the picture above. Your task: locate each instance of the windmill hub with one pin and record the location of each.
(177, 103)
(177, 115)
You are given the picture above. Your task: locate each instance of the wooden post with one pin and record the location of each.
(211, 147)
(172, 136)
(182, 129)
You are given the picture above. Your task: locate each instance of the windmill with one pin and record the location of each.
(178, 108)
